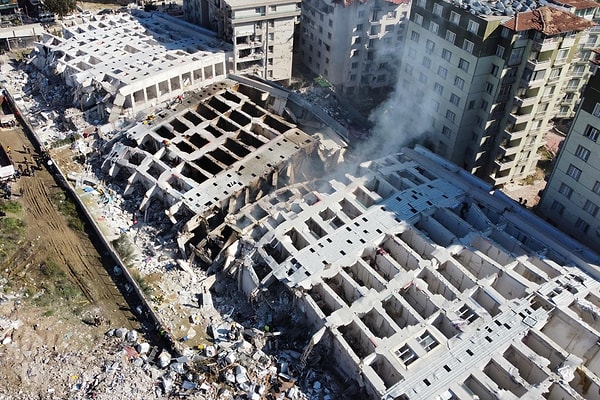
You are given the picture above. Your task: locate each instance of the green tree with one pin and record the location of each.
(60, 7)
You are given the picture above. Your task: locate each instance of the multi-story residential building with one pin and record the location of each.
(572, 195)
(262, 32)
(353, 44)
(490, 78)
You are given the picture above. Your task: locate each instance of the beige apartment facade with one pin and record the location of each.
(262, 33)
(354, 45)
(490, 80)
(572, 196)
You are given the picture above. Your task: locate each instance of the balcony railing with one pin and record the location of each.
(545, 45)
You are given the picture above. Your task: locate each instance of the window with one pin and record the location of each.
(422, 77)
(590, 208)
(412, 53)
(557, 207)
(439, 89)
(582, 153)
(484, 105)
(472, 26)
(591, 133)
(573, 83)
(418, 19)
(450, 36)
(454, 17)
(574, 172)
(471, 104)
(352, 77)
(446, 55)
(408, 69)
(446, 131)
(596, 112)
(427, 341)
(354, 65)
(414, 36)
(433, 27)
(420, 3)
(450, 116)
(454, 99)
(515, 56)
(596, 187)
(578, 70)
(499, 51)
(406, 354)
(361, 14)
(436, 106)
(489, 87)
(562, 54)
(581, 225)
(468, 46)
(463, 64)
(459, 82)
(389, 28)
(329, 35)
(359, 27)
(429, 46)
(426, 62)
(442, 72)
(565, 190)
(437, 10)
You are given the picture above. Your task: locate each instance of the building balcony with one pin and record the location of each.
(537, 65)
(545, 45)
(570, 89)
(505, 163)
(532, 83)
(561, 61)
(525, 101)
(567, 42)
(514, 118)
(514, 135)
(509, 150)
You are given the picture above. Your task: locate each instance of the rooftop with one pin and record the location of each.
(548, 20)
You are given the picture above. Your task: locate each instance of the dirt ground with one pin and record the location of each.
(52, 320)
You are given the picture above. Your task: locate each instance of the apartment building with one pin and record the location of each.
(353, 44)
(262, 32)
(572, 195)
(491, 78)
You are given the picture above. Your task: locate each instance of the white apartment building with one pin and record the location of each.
(354, 45)
(572, 196)
(262, 32)
(491, 78)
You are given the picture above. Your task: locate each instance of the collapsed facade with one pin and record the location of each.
(120, 65)
(425, 285)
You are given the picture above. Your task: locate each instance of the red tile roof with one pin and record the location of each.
(578, 4)
(548, 20)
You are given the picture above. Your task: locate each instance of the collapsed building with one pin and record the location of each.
(422, 281)
(123, 64)
(425, 284)
(224, 147)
